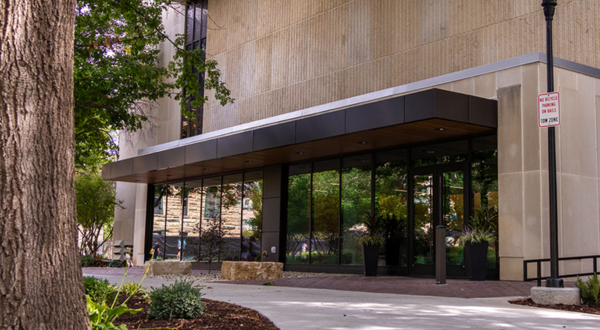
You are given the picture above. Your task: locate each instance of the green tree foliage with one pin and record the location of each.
(116, 72)
(96, 202)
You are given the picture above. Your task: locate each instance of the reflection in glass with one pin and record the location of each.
(484, 184)
(356, 204)
(298, 214)
(391, 200)
(158, 224)
(231, 217)
(191, 219)
(174, 217)
(252, 216)
(442, 153)
(423, 219)
(211, 215)
(453, 214)
(326, 215)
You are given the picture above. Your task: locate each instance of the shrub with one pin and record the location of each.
(132, 288)
(87, 260)
(590, 291)
(116, 264)
(99, 290)
(179, 300)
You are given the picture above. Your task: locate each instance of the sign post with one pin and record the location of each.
(552, 282)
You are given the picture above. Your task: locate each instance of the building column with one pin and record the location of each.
(274, 188)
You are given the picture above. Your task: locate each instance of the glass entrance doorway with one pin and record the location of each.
(438, 197)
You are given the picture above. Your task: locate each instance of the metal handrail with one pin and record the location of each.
(539, 277)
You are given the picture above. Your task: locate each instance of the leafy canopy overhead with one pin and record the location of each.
(117, 72)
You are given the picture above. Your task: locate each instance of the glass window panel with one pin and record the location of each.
(326, 165)
(204, 18)
(198, 23)
(298, 214)
(231, 216)
(356, 205)
(326, 216)
(453, 214)
(191, 220)
(299, 169)
(174, 218)
(189, 24)
(423, 219)
(391, 202)
(211, 218)
(158, 224)
(442, 153)
(484, 184)
(252, 216)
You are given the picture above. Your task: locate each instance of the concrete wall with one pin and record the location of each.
(280, 56)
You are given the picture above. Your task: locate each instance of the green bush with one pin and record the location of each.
(590, 291)
(132, 288)
(116, 264)
(179, 300)
(99, 290)
(87, 260)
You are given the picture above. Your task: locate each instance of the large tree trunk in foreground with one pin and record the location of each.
(40, 276)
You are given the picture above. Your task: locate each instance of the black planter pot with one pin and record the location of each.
(370, 258)
(476, 260)
(392, 253)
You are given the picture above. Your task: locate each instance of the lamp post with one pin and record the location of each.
(553, 282)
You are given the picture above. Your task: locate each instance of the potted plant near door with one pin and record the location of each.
(371, 240)
(476, 238)
(394, 237)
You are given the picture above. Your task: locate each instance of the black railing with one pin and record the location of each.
(538, 263)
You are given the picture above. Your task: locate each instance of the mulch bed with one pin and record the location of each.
(217, 315)
(572, 308)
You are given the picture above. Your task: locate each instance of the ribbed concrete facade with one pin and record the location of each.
(282, 56)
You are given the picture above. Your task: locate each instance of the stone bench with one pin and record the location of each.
(168, 267)
(248, 270)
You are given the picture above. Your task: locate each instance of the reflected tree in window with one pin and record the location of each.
(298, 218)
(356, 204)
(326, 215)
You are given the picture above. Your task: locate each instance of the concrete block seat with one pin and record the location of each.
(248, 270)
(168, 267)
(554, 296)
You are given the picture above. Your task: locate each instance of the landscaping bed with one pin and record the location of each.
(572, 308)
(217, 315)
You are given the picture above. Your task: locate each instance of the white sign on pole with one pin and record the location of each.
(549, 109)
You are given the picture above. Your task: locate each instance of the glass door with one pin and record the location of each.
(437, 198)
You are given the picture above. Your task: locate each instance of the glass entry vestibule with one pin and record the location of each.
(412, 189)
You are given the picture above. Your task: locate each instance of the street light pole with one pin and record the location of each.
(553, 282)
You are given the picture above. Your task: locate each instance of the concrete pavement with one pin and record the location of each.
(306, 308)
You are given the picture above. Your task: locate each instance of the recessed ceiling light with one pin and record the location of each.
(440, 129)
(248, 162)
(300, 153)
(362, 142)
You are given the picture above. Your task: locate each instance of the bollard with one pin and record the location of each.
(440, 254)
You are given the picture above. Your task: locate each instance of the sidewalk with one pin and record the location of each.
(309, 308)
(381, 284)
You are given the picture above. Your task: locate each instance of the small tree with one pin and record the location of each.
(212, 241)
(96, 203)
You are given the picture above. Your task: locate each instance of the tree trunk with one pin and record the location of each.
(40, 275)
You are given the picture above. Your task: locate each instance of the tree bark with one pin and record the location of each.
(40, 276)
